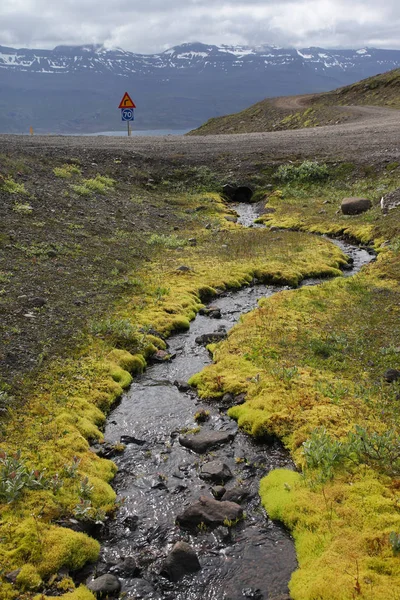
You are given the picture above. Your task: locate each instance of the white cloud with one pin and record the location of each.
(154, 25)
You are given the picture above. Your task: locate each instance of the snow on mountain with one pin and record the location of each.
(99, 59)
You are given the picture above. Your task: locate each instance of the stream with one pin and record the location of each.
(158, 477)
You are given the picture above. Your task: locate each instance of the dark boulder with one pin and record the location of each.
(105, 586)
(215, 471)
(210, 512)
(206, 440)
(181, 561)
(355, 206)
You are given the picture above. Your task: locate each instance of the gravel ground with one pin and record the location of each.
(373, 138)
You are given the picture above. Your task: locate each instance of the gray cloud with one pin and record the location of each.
(154, 25)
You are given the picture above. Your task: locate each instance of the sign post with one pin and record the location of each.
(127, 113)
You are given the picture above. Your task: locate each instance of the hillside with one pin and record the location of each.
(77, 89)
(312, 110)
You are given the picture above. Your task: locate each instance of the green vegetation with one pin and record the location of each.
(311, 363)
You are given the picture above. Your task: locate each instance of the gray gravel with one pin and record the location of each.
(373, 137)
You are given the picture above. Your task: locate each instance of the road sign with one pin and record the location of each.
(127, 102)
(128, 114)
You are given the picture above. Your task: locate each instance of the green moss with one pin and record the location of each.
(28, 579)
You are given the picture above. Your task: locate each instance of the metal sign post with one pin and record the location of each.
(127, 113)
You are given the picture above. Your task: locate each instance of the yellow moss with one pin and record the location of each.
(81, 593)
(347, 526)
(121, 376)
(102, 494)
(134, 363)
(28, 579)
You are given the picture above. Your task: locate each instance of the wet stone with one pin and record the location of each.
(127, 567)
(206, 440)
(209, 338)
(236, 494)
(130, 439)
(106, 585)
(181, 561)
(215, 471)
(131, 522)
(182, 385)
(209, 511)
(211, 311)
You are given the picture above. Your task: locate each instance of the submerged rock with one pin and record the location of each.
(215, 471)
(355, 206)
(210, 512)
(209, 338)
(206, 440)
(181, 561)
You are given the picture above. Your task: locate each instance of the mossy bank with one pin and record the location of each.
(137, 287)
(312, 363)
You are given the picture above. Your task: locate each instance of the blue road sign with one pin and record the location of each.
(127, 114)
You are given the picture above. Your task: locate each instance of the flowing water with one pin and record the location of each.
(158, 477)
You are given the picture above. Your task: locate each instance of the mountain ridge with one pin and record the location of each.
(77, 88)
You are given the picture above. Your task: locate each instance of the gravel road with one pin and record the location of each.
(373, 137)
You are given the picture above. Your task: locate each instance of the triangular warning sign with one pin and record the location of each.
(127, 102)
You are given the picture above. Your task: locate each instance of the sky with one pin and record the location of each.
(150, 26)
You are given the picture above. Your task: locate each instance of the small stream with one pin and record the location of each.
(158, 477)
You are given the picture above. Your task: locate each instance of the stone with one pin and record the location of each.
(130, 439)
(215, 471)
(231, 218)
(390, 201)
(12, 575)
(131, 522)
(210, 338)
(128, 567)
(214, 312)
(192, 242)
(210, 512)
(218, 491)
(181, 561)
(182, 386)
(355, 205)
(38, 302)
(205, 440)
(392, 375)
(161, 356)
(105, 585)
(236, 494)
(184, 268)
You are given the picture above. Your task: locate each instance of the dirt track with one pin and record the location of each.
(373, 138)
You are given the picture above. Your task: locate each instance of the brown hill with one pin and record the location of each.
(311, 110)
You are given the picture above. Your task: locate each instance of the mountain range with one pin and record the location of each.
(75, 89)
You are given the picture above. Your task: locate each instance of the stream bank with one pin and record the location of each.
(158, 477)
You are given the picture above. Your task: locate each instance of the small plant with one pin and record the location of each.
(22, 208)
(12, 187)
(168, 241)
(202, 416)
(307, 171)
(66, 171)
(202, 527)
(71, 471)
(15, 476)
(85, 488)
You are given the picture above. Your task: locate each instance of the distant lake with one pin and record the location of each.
(143, 132)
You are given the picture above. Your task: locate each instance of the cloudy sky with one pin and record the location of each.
(155, 25)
